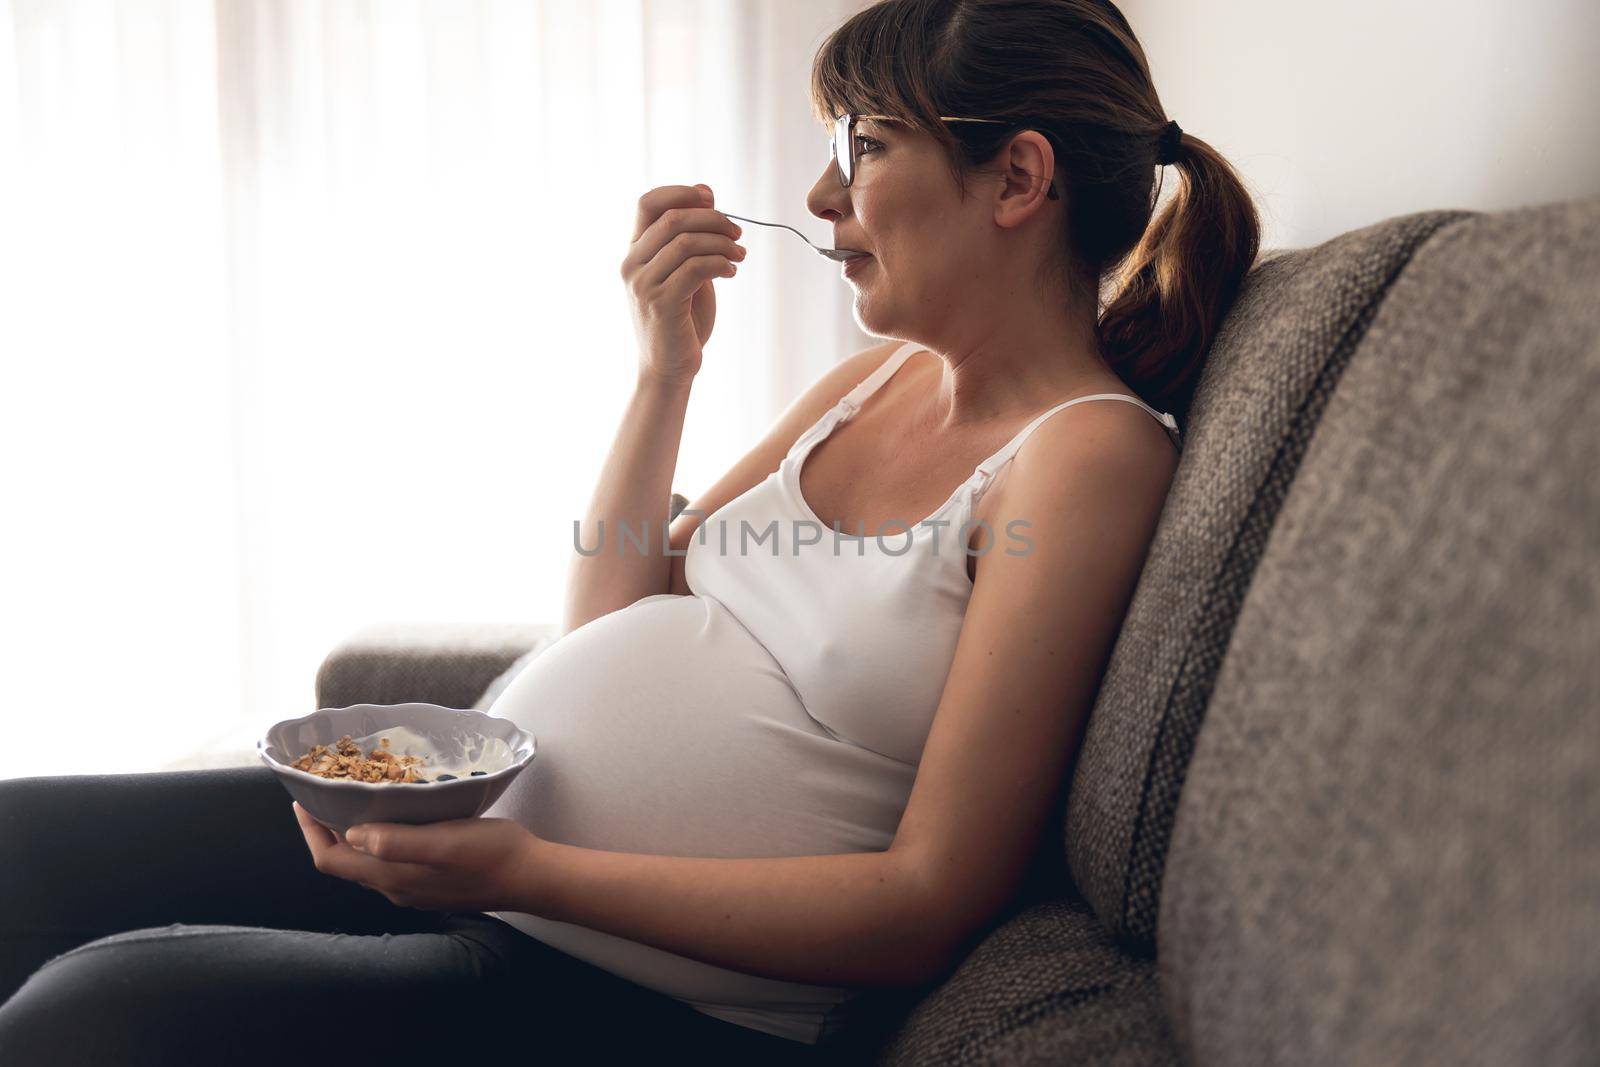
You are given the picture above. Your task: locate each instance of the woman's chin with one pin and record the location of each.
(867, 318)
(860, 291)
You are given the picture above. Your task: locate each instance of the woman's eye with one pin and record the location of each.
(862, 139)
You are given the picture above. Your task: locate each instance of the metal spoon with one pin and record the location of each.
(839, 255)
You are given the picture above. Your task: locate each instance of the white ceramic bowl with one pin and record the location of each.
(341, 803)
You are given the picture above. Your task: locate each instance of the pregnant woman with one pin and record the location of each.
(810, 754)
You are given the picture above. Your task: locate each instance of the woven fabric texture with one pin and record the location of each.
(1262, 390)
(1050, 986)
(1385, 851)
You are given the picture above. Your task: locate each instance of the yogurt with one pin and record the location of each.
(458, 753)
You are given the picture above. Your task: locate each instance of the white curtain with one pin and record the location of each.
(312, 318)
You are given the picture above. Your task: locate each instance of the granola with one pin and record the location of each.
(344, 760)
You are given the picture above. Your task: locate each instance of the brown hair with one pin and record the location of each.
(1073, 71)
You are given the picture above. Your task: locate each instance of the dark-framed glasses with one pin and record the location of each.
(843, 145)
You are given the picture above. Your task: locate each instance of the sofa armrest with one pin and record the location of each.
(450, 664)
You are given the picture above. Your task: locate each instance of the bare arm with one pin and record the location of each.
(680, 246)
(634, 489)
(1046, 610)
(851, 919)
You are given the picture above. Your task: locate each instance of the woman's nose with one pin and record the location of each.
(827, 196)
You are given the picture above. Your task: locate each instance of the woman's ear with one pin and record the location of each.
(1028, 166)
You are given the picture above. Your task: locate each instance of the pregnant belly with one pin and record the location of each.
(667, 728)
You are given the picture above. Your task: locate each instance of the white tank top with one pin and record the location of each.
(779, 709)
(865, 632)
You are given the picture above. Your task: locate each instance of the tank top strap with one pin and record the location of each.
(991, 465)
(851, 402)
(871, 383)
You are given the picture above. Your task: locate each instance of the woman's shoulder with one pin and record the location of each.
(1097, 439)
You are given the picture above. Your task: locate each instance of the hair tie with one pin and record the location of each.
(1167, 147)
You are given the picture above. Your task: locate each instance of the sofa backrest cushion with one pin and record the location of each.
(1385, 850)
(1268, 373)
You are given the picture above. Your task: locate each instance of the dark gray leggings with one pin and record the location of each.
(176, 917)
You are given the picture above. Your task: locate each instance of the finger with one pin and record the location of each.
(659, 199)
(685, 247)
(324, 833)
(658, 240)
(380, 876)
(694, 273)
(318, 836)
(342, 860)
(319, 839)
(400, 843)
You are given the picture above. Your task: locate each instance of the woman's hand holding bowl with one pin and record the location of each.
(474, 864)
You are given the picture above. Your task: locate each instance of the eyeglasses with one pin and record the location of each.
(843, 145)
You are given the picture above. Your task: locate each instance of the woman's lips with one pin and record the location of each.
(855, 263)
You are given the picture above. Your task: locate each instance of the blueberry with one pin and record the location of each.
(476, 773)
(445, 778)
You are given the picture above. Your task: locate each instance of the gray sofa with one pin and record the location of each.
(1339, 798)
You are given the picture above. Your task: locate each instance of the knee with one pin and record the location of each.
(102, 1002)
(42, 1021)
